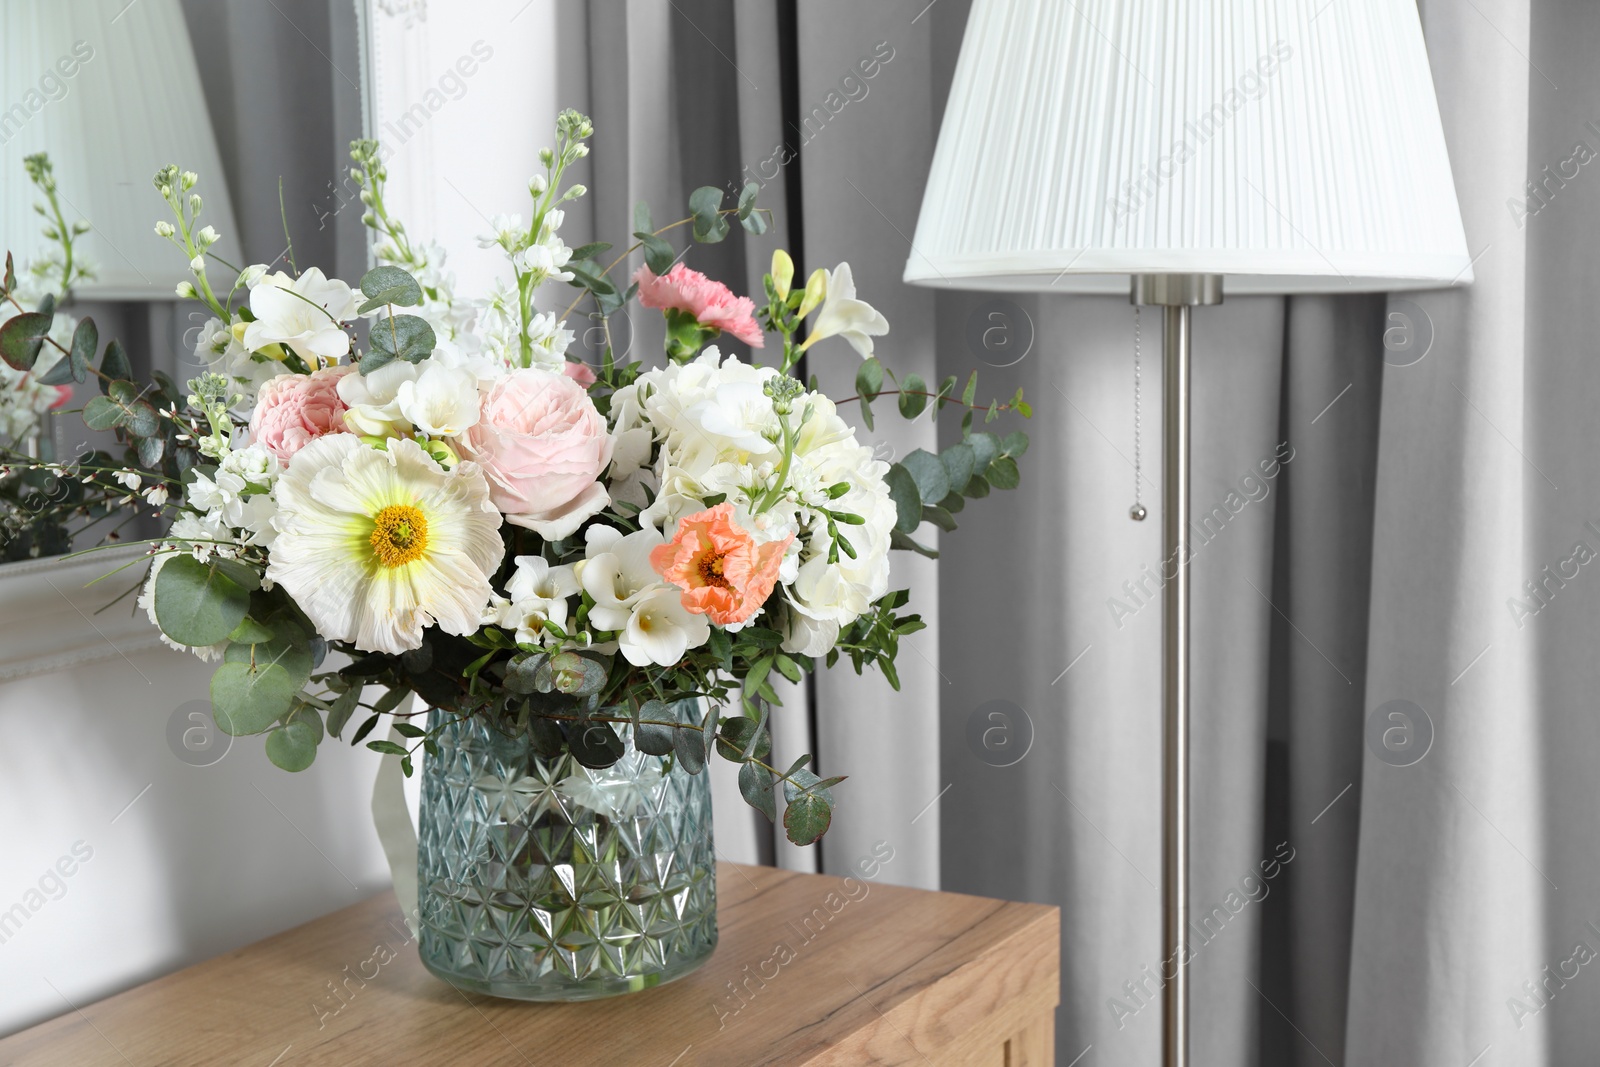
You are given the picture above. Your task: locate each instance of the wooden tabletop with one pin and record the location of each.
(809, 970)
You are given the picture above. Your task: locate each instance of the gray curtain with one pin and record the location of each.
(1375, 520)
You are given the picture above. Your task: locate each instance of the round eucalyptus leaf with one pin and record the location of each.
(196, 604)
(294, 746)
(248, 700)
(594, 744)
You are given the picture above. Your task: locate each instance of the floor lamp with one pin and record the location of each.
(1170, 149)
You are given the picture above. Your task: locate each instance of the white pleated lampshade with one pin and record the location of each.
(1290, 145)
(111, 91)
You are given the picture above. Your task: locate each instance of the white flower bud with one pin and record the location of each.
(198, 264)
(537, 185)
(81, 226)
(164, 229)
(194, 203)
(207, 235)
(366, 197)
(547, 157)
(189, 178)
(580, 150)
(185, 291)
(369, 219)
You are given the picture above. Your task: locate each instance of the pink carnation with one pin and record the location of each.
(294, 409)
(581, 373)
(711, 303)
(63, 397)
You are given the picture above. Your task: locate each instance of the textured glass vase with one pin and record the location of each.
(542, 879)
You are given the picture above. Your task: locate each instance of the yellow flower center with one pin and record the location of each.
(399, 535)
(711, 570)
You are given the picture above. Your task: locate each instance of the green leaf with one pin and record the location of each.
(641, 217)
(388, 748)
(907, 500)
(806, 819)
(389, 285)
(287, 645)
(11, 274)
(114, 365)
(22, 337)
(151, 449)
(249, 701)
(250, 632)
(658, 254)
(970, 393)
(570, 673)
(747, 198)
(293, 746)
(691, 749)
(1003, 473)
(906, 543)
(522, 673)
(928, 472)
(101, 413)
(74, 366)
(734, 740)
(594, 744)
(651, 738)
(1014, 444)
(911, 399)
(755, 785)
(196, 604)
(364, 729)
(938, 516)
(585, 278)
(869, 376)
(589, 251)
(136, 416)
(404, 337)
(985, 446)
(959, 463)
(705, 203)
(342, 709)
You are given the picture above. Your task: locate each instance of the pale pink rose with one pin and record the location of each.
(581, 373)
(711, 303)
(543, 445)
(293, 410)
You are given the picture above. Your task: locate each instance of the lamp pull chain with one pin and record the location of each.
(1137, 512)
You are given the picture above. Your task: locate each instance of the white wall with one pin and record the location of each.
(183, 861)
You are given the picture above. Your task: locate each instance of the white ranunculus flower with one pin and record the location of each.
(741, 413)
(372, 400)
(536, 594)
(660, 629)
(842, 315)
(375, 546)
(441, 401)
(303, 313)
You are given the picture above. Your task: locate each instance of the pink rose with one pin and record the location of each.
(294, 409)
(543, 446)
(581, 373)
(711, 303)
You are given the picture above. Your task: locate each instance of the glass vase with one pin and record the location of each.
(543, 879)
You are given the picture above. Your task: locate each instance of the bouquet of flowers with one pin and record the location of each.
(439, 490)
(26, 394)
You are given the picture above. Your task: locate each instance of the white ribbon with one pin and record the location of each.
(392, 819)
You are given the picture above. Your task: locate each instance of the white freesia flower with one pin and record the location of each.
(537, 593)
(303, 313)
(441, 401)
(374, 546)
(372, 401)
(661, 629)
(842, 315)
(616, 573)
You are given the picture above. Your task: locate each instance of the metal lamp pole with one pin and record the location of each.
(1176, 294)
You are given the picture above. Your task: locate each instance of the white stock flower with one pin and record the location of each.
(303, 313)
(222, 349)
(374, 546)
(441, 401)
(549, 339)
(508, 232)
(842, 315)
